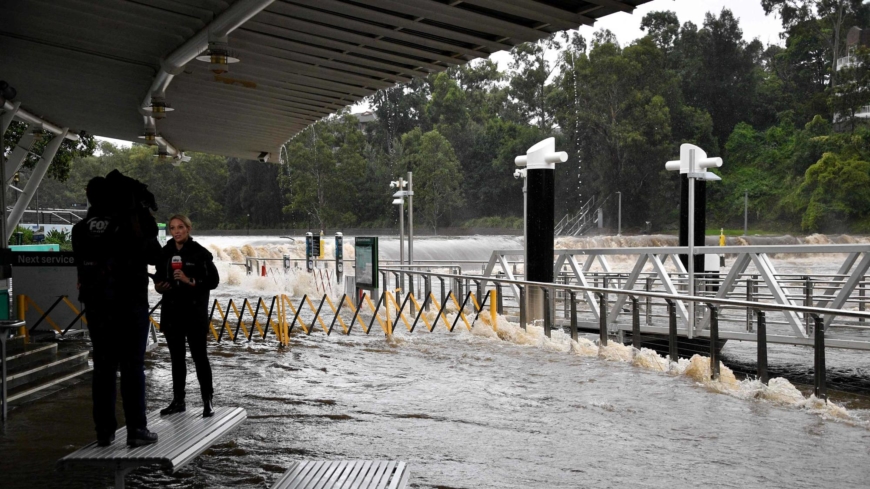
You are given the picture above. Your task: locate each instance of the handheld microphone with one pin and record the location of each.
(176, 265)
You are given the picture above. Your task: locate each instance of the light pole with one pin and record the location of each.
(399, 199)
(410, 218)
(693, 163)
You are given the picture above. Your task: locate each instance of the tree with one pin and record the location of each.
(663, 27)
(325, 163)
(436, 175)
(825, 20)
(60, 165)
(623, 122)
(530, 72)
(720, 71)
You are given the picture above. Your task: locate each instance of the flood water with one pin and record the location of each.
(479, 409)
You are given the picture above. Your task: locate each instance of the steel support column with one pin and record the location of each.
(32, 184)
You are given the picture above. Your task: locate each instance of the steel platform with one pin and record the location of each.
(182, 438)
(345, 474)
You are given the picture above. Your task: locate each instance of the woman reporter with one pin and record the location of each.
(185, 276)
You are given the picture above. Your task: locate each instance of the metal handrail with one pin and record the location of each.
(653, 295)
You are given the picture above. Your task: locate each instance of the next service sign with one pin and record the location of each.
(42, 259)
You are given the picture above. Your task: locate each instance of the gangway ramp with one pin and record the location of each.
(182, 438)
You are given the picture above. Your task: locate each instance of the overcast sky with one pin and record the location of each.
(627, 26)
(752, 19)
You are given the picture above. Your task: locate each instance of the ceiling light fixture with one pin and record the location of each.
(218, 56)
(158, 107)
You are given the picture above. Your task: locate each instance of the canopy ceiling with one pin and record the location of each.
(88, 64)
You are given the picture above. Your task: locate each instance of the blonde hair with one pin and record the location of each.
(184, 219)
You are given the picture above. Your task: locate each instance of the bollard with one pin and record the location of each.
(547, 319)
(749, 298)
(428, 292)
(479, 292)
(861, 299)
(672, 331)
(499, 299)
(443, 290)
(522, 306)
(648, 288)
(808, 301)
(635, 322)
(573, 315)
(762, 345)
(714, 341)
(820, 389)
(602, 319)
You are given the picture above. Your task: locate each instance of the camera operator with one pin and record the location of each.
(113, 246)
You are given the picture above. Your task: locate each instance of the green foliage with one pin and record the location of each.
(436, 176)
(325, 165)
(57, 236)
(60, 166)
(26, 236)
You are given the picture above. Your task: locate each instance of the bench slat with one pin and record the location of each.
(182, 437)
(344, 474)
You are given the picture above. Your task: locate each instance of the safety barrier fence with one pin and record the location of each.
(282, 315)
(24, 303)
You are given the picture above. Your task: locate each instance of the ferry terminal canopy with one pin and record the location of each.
(97, 65)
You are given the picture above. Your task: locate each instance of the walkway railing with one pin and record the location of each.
(713, 306)
(752, 277)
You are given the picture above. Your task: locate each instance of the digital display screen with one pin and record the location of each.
(366, 252)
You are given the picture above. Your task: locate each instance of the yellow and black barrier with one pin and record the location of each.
(283, 307)
(24, 303)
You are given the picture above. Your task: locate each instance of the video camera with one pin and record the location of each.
(133, 199)
(130, 194)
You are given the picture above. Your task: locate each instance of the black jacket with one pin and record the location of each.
(112, 258)
(184, 304)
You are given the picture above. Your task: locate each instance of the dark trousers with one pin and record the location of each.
(177, 333)
(119, 335)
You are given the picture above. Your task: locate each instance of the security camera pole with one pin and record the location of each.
(540, 162)
(693, 163)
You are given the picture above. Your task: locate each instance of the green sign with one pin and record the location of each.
(366, 252)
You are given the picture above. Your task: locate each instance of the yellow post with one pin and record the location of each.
(22, 313)
(387, 313)
(492, 310)
(721, 236)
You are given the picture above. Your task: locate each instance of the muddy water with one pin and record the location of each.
(474, 409)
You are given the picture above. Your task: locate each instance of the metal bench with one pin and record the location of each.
(345, 474)
(183, 437)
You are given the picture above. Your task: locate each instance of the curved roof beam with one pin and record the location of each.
(225, 23)
(33, 120)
